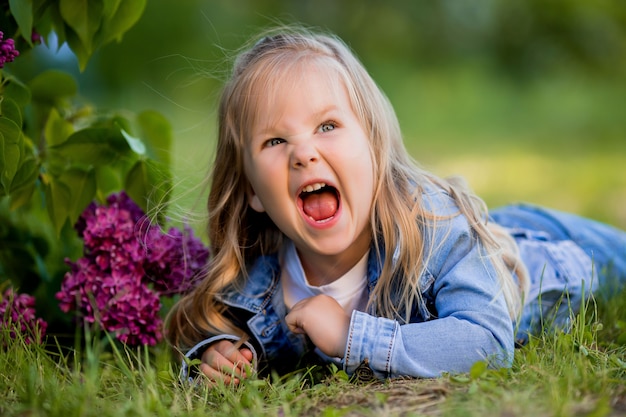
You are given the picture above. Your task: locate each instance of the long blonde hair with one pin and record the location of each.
(238, 235)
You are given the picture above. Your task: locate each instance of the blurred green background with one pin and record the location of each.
(524, 98)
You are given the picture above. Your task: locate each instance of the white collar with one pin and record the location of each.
(350, 290)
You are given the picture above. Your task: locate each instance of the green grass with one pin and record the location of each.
(561, 374)
(558, 142)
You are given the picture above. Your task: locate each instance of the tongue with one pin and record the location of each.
(320, 205)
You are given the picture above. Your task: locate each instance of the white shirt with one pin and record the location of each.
(350, 290)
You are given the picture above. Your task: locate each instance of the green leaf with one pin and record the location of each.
(16, 90)
(460, 378)
(57, 129)
(80, 51)
(108, 180)
(22, 11)
(617, 361)
(42, 15)
(121, 122)
(10, 110)
(125, 14)
(57, 23)
(166, 376)
(83, 17)
(9, 155)
(10, 136)
(82, 187)
(148, 184)
(23, 182)
(110, 7)
(18, 165)
(93, 146)
(58, 203)
(22, 195)
(52, 85)
(478, 369)
(156, 132)
(135, 143)
(10, 130)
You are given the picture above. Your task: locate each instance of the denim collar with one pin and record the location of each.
(258, 289)
(264, 277)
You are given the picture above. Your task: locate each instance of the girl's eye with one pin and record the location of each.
(274, 142)
(327, 127)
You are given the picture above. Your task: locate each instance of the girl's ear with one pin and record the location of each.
(253, 201)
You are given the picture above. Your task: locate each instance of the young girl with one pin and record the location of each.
(330, 244)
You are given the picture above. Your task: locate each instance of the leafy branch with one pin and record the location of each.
(58, 153)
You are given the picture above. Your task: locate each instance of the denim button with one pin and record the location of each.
(363, 372)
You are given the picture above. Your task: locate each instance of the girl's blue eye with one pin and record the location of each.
(274, 142)
(327, 127)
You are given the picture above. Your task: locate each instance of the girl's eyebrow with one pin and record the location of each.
(271, 128)
(328, 109)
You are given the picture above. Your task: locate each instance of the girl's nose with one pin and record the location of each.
(303, 154)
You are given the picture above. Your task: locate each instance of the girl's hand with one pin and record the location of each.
(222, 361)
(324, 321)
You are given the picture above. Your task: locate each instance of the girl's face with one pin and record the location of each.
(310, 168)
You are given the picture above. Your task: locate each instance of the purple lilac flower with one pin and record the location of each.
(131, 311)
(174, 259)
(35, 37)
(18, 311)
(80, 289)
(128, 263)
(7, 50)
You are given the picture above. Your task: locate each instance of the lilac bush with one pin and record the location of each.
(128, 263)
(165, 268)
(8, 53)
(17, 313)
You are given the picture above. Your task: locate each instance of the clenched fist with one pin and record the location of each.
(324, 321)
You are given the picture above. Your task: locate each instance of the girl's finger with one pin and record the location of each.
(247, 354)
(293, 322)
(215, 375)
(230, 366)
(238, 357)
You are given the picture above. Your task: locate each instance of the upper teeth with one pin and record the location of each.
(313, 187)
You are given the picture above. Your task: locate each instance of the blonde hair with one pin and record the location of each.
(238, 235)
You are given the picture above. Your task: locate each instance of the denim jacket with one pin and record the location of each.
(463, 317)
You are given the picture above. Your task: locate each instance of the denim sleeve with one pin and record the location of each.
(472, 322)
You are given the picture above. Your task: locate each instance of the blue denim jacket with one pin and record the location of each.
(463, 318)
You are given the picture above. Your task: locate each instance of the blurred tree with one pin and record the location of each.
(528, 37)
(519, 38)
(544, 75)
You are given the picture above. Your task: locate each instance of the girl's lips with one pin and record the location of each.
(319, 204)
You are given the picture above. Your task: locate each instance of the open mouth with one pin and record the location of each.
(320, 201)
